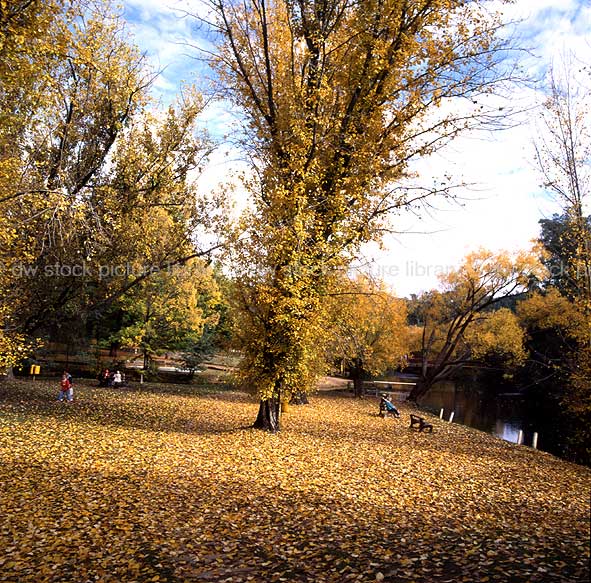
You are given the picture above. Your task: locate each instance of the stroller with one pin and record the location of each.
(387, 407)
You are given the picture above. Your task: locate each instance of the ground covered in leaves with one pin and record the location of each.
(170, 484)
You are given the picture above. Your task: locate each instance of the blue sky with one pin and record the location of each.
(502, 208)
(162, 30)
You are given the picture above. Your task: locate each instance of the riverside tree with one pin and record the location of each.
(558, 319)
(336, 97)
(457, 324)
(563, 153)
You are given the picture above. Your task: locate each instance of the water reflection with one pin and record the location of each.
(507, 431)
(502, 415)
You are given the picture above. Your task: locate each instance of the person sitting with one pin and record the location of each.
(117, 379)
(103, 378)
(387, 407)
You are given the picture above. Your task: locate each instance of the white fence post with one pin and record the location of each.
(520, 437)
(535, 441)
(441, 414)
(451, 417)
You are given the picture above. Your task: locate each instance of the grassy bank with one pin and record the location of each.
(170, 484)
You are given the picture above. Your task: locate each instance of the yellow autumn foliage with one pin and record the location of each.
(498, 333)
(367, 326)
(336, 100)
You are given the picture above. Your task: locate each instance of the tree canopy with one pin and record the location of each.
(97, 187)
(368, 332)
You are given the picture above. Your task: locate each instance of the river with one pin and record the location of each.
(502, 414)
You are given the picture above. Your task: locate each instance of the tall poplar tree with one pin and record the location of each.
(563, 151)
(337, 96)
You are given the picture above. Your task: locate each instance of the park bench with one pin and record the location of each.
(420, 422)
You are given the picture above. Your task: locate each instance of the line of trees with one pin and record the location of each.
(101, 225)
(98, 199)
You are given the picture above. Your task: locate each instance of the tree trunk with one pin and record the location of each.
(422, 386)
(114, 349)
(299, 399)
(439, 372)
(357, 375)
(358, 387)
(268, 416)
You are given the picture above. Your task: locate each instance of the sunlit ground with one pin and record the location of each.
(170, 484)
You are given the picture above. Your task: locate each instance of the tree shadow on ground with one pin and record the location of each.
(127, 409)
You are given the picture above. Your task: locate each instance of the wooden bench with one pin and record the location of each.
(420, 422)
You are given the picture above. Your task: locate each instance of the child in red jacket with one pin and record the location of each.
(66, 390)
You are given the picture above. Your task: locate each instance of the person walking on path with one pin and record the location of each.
(66, 390)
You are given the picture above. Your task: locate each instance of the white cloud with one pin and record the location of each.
(164, 31)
